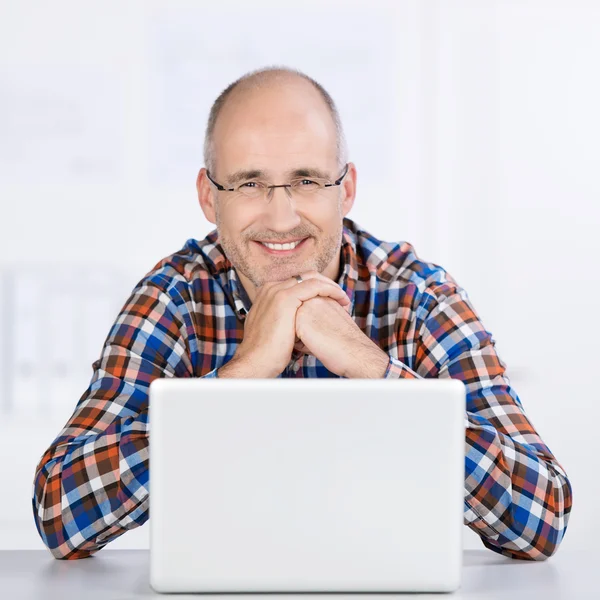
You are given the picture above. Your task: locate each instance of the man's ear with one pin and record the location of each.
(206, 197)
(349, 189)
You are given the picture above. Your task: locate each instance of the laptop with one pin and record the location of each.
(306, 485)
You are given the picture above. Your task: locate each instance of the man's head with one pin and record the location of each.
(276, 121)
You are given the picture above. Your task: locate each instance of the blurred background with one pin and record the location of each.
(474, 127)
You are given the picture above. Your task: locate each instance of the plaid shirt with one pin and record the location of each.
(185, 318)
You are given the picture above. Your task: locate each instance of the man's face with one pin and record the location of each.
(278, 131)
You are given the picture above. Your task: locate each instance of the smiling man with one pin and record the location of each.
(287, 285)
(276, 126)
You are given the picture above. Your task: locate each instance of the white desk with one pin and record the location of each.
(123, 574)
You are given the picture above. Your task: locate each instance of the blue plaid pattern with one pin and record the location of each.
(185, 318)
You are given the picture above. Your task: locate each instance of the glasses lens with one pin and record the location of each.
(252, 189)
(307, 187)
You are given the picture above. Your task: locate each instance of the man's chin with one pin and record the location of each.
(277, 275)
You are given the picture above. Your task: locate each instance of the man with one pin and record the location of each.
(340, 303)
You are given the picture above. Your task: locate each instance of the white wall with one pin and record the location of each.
(474, 128)
(515, 172)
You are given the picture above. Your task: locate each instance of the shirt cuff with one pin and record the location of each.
(211, 374)
(396, 369)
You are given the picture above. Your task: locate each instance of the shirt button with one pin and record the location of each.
(296, 367)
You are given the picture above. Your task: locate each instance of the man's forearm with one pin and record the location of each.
(112, 477)
(241, 368)
(518, 497)
(372, 363)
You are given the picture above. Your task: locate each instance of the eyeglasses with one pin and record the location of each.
(300, 187)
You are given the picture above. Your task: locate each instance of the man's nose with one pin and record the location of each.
(281, 209)
(273, 188)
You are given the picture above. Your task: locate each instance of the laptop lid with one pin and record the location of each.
(306, 485)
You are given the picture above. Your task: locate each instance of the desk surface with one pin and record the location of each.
(123, 574)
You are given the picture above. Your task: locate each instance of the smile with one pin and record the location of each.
(282, 249)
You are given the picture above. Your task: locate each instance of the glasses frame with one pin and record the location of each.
(338, 181)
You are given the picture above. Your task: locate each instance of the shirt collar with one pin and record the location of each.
(237, 294)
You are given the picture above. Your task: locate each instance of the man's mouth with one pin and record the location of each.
(282, 249)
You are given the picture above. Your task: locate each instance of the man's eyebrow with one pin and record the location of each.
(246, 174)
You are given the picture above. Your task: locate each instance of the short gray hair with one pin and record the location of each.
(257, 79)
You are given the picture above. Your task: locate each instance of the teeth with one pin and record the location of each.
(281, 246)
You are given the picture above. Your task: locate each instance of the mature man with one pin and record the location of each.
(333, 301)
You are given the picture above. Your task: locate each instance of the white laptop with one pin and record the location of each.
(306, 485)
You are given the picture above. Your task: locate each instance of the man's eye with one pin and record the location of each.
(307, 182)
(248, 183)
